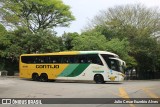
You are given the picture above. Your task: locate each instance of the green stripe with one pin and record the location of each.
(70, 68)
(98, 71)
(78, 70)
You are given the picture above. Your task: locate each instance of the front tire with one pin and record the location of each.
(98, 79)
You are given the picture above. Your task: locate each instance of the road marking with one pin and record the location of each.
(124, 94)
(151, 94)
(153, 87)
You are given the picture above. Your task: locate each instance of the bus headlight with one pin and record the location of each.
(122, 75)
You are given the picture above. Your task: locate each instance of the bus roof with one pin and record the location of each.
(74, 53)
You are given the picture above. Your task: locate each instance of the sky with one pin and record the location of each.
(85, 10)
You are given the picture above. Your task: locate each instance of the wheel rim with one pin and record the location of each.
(35, 77)
(99, 79)
(44, 78)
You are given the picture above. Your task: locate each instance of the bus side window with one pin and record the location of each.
(98, 60)
(71, 59)
(25, 59)
(35, 60)
(38, 59)
(68, 59)
(76, 59)
(54, 59)
(41, 59)
(49, 59)
(90, 59)
(31, 59)
(82, 59)
(58, 59)
(94, 59)
(45, 59)
(64, 59)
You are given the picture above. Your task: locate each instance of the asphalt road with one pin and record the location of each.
(21, 88)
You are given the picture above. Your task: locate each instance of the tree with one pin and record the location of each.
(122, 48)
(23, 41)
(140, 25)
(93, 40)
(89, 41)
(2, 30)
(3, 43)
(36, 14)
(146, 20)
(3, 40)
(68, 38)
(128, 21)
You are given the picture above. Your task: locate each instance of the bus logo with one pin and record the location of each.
(48, 66)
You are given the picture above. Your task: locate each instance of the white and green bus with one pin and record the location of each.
(98, 66)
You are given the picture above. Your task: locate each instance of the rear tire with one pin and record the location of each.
(43, 78)
(35, 77)
(98, 78)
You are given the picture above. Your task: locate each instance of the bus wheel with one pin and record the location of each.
(35, 77)
(43, 78)
(98, 78)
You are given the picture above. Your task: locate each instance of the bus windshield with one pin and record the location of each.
(112, 63)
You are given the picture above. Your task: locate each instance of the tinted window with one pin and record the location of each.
(27, 59)
(94, 59)
(81, 59)
(68, 59)
(35, 59)
(112, 63)
(91, 58)
(54, 59)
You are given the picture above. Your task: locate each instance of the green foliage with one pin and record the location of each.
(68, 38)
(2, 30)
(3, 41)
(89, 41)
(93, 40)
(36, 14)
(146, 20)
(31, 21)
(118, 46)
(2, 63)
(23, 41)
(139, 25)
